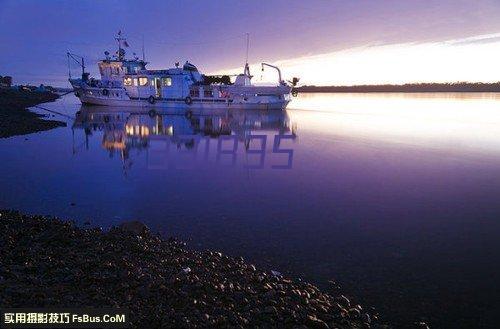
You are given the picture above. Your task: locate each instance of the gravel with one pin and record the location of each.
(50, 262)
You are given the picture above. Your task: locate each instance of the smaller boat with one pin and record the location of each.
(127, 82)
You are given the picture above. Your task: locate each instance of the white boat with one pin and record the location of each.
(127, 82)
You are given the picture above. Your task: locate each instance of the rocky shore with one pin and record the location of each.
(16, 119)
(49, 262)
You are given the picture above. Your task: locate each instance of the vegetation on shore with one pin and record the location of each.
(49, 262)
(406, 88)
(16, 119)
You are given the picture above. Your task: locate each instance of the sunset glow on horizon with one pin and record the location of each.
(473, 59)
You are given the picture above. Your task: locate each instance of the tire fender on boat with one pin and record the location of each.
(151, 100)
(105, 92)
(188, 100)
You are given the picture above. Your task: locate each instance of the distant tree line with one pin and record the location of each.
(5, 81)
(406, 88)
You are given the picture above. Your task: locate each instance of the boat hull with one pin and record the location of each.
(165, 104)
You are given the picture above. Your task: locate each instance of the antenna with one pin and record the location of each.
(248, 44)
(143, 55)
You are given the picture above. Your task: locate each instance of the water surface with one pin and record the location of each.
(394, 196)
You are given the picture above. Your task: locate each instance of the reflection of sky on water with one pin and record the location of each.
(393, 195)
(463, 123)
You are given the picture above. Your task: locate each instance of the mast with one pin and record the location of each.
(246, 70)
(80, 62)
(121, 52)
(248, 43)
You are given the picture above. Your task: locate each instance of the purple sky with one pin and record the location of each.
(35, 35)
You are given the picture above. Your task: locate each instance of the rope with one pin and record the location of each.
(55, 112)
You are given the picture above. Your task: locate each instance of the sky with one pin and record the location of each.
(340, 42)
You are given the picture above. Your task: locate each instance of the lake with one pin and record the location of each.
(395, 197)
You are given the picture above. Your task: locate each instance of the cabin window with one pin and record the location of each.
(143, 81)
(208, 93)
(166, 81)
(194, 92)
(136, 82)
(127, 81)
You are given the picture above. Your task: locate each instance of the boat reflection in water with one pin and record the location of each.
(252, 139)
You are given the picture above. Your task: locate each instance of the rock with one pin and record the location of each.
(354, 312)
(316, 323)
(270, 294)
(134, 227)
(343, 301)
(270, 310)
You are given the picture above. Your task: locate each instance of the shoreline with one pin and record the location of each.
(398, 92)
(15, 117)
(460, 87)
(50, 262)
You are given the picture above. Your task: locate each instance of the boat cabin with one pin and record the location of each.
(115, 70)
(173, 84)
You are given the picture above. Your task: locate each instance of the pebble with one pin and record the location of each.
(144, 274)
(343, 301)
(316, 323)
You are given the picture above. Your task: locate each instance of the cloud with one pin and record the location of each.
(484, 38)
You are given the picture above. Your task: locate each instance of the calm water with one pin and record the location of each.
(394, 196)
